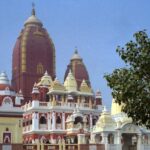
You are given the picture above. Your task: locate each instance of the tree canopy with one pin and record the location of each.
(131, 85)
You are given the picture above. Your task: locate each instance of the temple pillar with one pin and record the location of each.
(49, 121)
(92, 140)
(148, 136)
(63, 100)
(82, 101)
(60, 144)
(54, 101)
(53, 120)
(105, 140)
(139, 141)
(66, 100)
(38, 145)
(91, 124)
(117, 139)
(35, 121)
(63, 121)
(42, 146)
(78, 101)
(90, 102)
(81, 139)
(63, 143)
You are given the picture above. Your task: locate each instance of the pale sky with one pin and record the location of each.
(96, 27)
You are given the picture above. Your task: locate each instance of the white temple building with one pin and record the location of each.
(117, 131)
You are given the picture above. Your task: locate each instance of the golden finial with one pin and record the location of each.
(33, 9)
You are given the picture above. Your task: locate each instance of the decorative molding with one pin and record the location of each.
(23, 50)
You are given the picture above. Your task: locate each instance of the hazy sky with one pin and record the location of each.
(96, 27)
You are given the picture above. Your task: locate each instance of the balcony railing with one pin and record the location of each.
(49, 105)
(43, 126)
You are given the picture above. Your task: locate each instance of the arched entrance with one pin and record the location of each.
(130, 134)
(129, 141)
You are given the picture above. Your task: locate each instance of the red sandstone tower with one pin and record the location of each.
(33, 54)
(78, 69)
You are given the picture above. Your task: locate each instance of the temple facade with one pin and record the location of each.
(117, 131)
(60, 111)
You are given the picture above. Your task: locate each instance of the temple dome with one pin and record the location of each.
(76, 56)
(57, 86)
(4, 82)
(78, 69)
(4, 78)
(46, 80)
(85, 88)
(105, 122)
(33, 20)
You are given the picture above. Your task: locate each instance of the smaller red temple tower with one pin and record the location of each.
(78, 69)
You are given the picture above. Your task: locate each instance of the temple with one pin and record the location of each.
(40, 112)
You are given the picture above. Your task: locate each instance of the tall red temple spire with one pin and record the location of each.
(33, 54)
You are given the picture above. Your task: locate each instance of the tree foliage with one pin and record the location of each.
(131, 85)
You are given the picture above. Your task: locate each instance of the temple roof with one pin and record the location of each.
(105, 122)
(5, 87)
(76, 56)
(57, 86)
(4, 82)
(46, 80)
(70, 82)
(85, 88)
(32, 20)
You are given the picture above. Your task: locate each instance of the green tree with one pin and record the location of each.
(131, 85)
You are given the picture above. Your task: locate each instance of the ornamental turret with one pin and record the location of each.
(4, 79)
(7, 94)
(35, 92)
(85, 88)
(5, 88)
(19, 98)
(45, 80)
(44, 84)
(34, 52)
(70, 82)
(78, 69)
